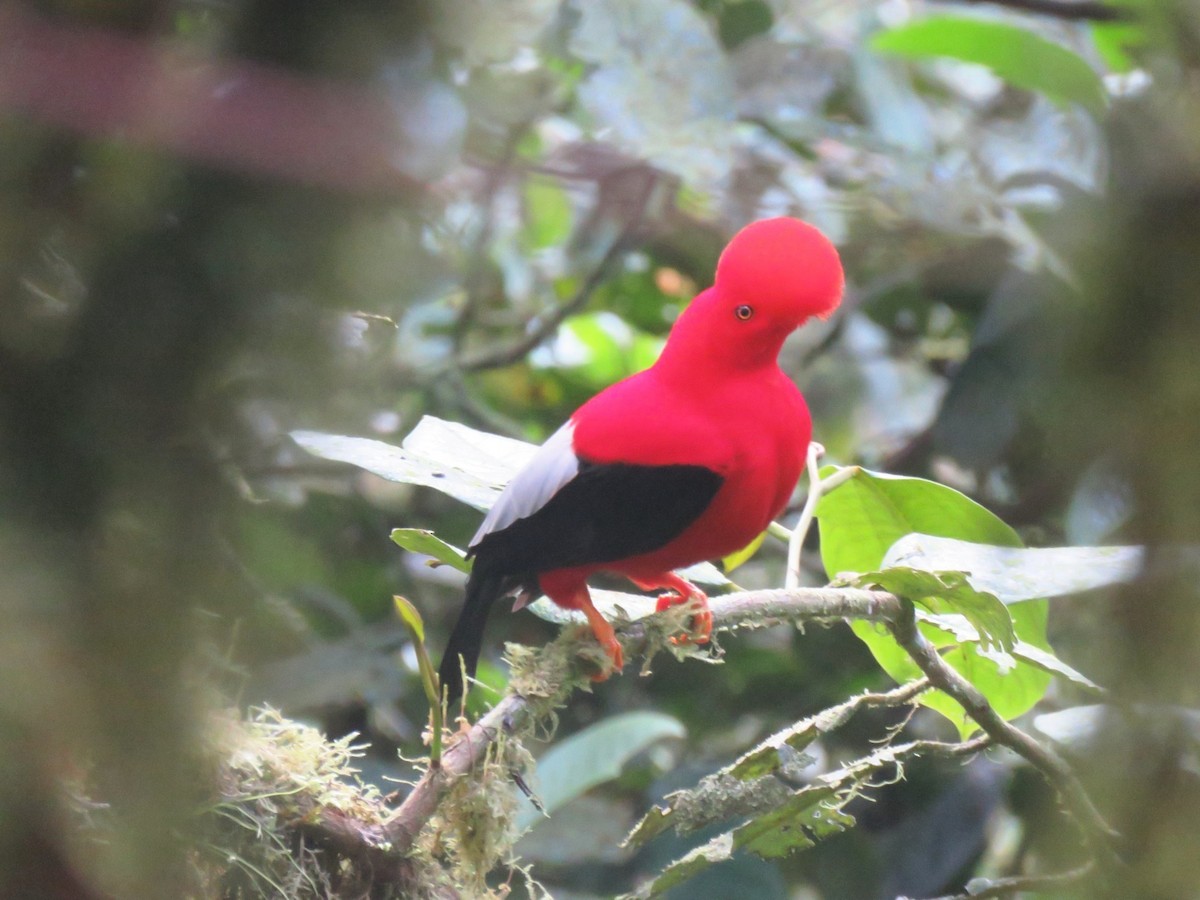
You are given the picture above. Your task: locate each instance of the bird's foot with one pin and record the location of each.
(616, 656)
(702, 620)
(603, 631)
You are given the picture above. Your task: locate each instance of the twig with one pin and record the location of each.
(478, 254)
(506, 717)
(1097, 832)
(1071, 10)
(1007, 887)
(817, 489)
(547, 325)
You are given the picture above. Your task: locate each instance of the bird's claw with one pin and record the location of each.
(702, 620)
(616, 656)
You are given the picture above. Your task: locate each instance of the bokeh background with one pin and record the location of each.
(223, 220)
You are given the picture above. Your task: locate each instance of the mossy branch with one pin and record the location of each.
(544, 678)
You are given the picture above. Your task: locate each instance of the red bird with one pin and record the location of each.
(687, 461)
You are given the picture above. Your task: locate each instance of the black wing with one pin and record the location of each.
(608, 511)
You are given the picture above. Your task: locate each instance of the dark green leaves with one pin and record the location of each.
(1020, 57)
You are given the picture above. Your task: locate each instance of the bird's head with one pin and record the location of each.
(776, 273)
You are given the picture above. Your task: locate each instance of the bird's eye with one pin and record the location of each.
(744, 312)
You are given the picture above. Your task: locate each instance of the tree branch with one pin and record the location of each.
(234, 114)
(1097, 833)
(510, 715)
(551, 673)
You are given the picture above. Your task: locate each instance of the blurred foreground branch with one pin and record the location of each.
(241, 115)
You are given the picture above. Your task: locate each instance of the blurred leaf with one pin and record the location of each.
(742, 20)
(547, 213)
(586, 830)
(661, 86)
(948, 592)
(485, 31)
(1017, 55)
(733, 560)
(1016, 574)
(418, 540)
(593, 756)
(429, 677)
(411, 617)
(894, 109)
(1115, 40)
(864, 517)
(1075, 726)
(600, 347)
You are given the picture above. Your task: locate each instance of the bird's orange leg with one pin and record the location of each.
(605, 635)
(683, 591)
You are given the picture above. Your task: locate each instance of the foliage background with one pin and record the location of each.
(222, 221)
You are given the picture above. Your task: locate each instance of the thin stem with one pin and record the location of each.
(816, 491)
(800, 532)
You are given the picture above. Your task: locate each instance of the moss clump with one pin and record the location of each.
(293, 819)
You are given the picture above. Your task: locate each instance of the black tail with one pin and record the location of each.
(466, 640)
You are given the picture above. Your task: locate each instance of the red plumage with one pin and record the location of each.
(687, 461)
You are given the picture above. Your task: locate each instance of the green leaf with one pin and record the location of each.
(411, 617)
(718, 850)
(429, 677)
(1048, 662)
(547, 213)
(593, 756)
(1115, 40)
(738, 22)
(862, 518)
(859, 522)
(948, 592)
(1020, 57)
(733, 560)
(418, 540)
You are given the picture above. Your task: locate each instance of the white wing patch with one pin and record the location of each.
(551, 466)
